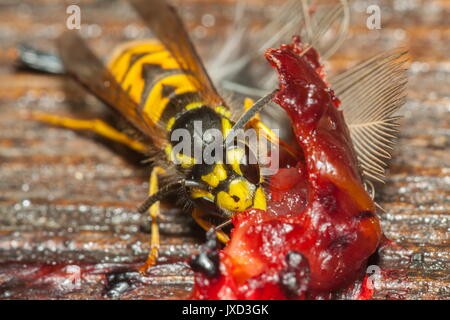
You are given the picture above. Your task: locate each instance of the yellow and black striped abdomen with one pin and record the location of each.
(153, 78)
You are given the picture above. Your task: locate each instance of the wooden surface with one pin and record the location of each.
(70, 198)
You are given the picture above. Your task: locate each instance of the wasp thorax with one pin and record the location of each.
(238, 195)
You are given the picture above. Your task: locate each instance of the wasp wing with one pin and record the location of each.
(167, 26)
(83, 65)
(371, 93)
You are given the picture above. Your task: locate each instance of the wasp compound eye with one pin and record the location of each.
(250, 172)
(249, 166)
(294, 278)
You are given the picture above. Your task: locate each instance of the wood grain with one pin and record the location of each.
(70, 199)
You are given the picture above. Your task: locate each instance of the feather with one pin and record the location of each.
(323, 21)
(243, 47)
(371, 93)
(240, 67)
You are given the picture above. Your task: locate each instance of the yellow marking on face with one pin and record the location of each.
(223, 111)
(234, 157)
(238, 198)
(259, 201)
(200, 193)
(170, 123)
(185, 161)
(214, 177)
(226, 127)
(156, 102)
(194, 105)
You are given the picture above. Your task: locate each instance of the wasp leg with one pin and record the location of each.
(198, 216)
(95, 125)
(261, 128)
(155, 213)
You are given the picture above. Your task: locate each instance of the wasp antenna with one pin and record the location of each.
(220, 226)
(250, 113)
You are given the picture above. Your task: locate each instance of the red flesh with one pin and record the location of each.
(318, 208)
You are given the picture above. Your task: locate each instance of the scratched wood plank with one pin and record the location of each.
(69, 199)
